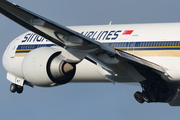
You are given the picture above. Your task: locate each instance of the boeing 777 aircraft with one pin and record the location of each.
(51, 54)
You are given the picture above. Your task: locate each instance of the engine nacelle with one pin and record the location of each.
(46, 67)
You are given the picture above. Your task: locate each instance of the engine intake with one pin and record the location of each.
(59, 70)
(46, 67)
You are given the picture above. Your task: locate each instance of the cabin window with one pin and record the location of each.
(140, 44)
(143, 44)
(165, 43)
(124, 44)
(146, 44)
(175, 43)
(170, 43)
(162, 44)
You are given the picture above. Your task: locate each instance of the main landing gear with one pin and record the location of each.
(16, 88)
(152, 92)
(154, 88)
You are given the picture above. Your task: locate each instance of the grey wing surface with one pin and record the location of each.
(116, 61)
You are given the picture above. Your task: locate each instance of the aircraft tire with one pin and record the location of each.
(138, 97)
(13, 88)
(19, 89)
(154, 96)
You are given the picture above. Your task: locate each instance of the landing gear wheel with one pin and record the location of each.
(146, 97)
(138, 97)
(13, 88)
(153, 95)
(19, 89)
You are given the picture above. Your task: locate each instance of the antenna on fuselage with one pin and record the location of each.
(110, 22)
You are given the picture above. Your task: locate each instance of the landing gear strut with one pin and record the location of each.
(16, 88)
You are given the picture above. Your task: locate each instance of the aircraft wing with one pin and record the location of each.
(80, 46)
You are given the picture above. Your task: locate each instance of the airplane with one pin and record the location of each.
(51, 54)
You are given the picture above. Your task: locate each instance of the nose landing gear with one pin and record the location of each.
(16, 88)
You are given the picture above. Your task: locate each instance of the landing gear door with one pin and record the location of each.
(13, 48)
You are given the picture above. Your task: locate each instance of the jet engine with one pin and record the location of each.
(46, 67)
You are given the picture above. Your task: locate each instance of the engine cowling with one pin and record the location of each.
(46, 66)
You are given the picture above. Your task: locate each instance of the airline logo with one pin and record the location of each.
(126, 35)
(127, 32)
(32, 37)
(107, 35)
(102, 35)
(96, 35)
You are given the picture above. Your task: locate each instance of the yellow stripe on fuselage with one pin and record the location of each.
(20, 54)
(160, 47)
(169, 53)
(24, 50)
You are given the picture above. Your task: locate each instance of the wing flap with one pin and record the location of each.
(139, 60)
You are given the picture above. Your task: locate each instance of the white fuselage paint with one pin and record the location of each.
(158, 43)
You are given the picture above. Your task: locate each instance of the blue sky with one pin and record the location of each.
(81, 101)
